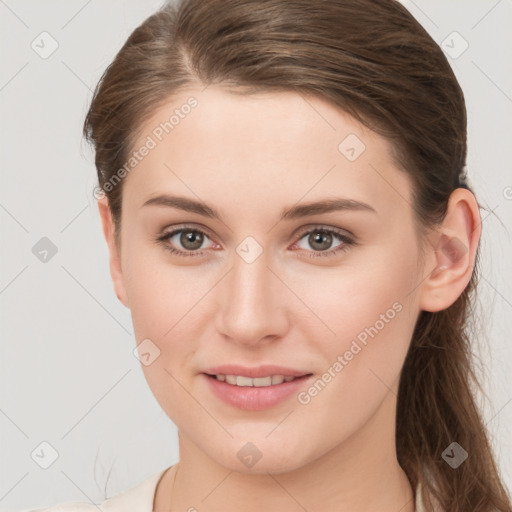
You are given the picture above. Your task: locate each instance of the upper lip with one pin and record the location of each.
(254, 372)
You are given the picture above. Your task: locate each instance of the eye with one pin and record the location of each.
(191, 239)
(321, 238)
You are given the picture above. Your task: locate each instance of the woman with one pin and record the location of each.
(284, 201)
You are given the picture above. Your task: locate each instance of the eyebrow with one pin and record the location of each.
(295, 212)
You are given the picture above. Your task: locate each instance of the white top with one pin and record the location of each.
(139, 499)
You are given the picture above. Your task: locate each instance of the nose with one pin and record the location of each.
(252, 303)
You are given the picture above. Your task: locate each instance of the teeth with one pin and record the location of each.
(258, 382)
(231, 379)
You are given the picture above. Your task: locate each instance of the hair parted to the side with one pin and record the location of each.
(372, 59)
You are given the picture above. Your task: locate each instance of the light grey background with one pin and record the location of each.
(69, 376)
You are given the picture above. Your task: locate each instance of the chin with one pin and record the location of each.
(258, 454)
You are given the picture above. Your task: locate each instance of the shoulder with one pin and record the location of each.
(65, 507)
(139, 498)
(425, 499)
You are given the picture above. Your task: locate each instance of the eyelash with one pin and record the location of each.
(347, 242)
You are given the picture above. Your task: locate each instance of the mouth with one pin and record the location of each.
(257, 382)
(255, 393)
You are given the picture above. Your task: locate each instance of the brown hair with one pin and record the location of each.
(372, 59)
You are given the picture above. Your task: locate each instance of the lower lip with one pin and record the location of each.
(255, 398)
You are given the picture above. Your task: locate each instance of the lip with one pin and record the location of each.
(251, 398)
(254, 372)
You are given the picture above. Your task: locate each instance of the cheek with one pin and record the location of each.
(166, 308)
(159, 293)
(370, 289)
(371, 313)
(168, 305)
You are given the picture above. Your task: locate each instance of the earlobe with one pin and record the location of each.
(114, 255)
(452, 249)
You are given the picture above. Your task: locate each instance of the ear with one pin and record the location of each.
(115, 256)
(451, 252)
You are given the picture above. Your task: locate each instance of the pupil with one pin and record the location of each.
(191, 240)
(317, 238)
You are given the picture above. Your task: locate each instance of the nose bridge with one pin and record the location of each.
(252, 303)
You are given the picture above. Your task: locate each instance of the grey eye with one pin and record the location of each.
(190, 239)
(319, 240)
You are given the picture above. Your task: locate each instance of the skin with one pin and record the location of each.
(250, 157)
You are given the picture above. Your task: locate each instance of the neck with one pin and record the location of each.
(361, 474)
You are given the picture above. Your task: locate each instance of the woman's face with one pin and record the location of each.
(262, 284)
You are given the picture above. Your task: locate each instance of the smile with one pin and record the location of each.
(255, 393)
(259, 382)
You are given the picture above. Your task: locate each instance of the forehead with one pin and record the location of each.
(279, 145)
